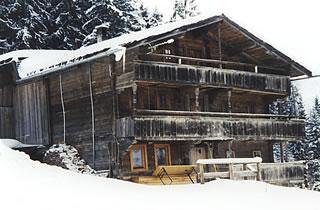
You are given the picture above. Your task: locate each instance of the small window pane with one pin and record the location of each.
(137, 158)
(161, 156)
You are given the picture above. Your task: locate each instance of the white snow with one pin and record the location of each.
(14, 144)
(230, 160)
(27, 184)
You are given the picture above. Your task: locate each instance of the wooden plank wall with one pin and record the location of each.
(6, 102)
(244, 149)
(31, 113)
(76, 95)
(6, 122)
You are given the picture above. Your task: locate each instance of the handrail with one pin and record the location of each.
(231, 162)
(213, 114)
(206, 67)
(215, 61)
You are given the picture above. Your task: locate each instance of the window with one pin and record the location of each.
(162, 154)
(138, 157)
(256, 153)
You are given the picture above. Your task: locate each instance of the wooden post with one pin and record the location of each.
(282, 151)
(197, 91)
(231, 171)
(134, 98)
(229, 101)
(219, 42)
(244, 167)
(201, 171)
(258, 172)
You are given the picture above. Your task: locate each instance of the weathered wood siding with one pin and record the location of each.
(6, 122)
(286, 174)
(31, 113)
(6, 112)
(210, 128)
(244, 149)
(186, 74)
(6, 102)
(76, 97)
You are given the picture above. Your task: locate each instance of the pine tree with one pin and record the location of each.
(293, 107)
(150, 19)
(312, 147)
(178, 11)
(155, 19)
(67, 24)
(183, 9)
(191, 8)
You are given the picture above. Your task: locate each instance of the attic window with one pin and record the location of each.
(167, 51)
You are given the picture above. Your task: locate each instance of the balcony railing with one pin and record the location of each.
(215, 77)
(203, 127)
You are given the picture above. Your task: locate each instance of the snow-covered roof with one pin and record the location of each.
(39, 62)
(45, 61)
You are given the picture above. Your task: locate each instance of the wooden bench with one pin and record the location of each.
(168, 171)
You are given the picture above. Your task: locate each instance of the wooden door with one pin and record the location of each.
(197, 153)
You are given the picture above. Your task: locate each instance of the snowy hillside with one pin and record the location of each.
(26, 184)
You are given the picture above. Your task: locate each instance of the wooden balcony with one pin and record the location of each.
(210, 76)
(181, 126)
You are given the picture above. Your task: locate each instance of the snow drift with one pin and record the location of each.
(27, 184)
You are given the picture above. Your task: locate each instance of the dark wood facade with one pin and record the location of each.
(206, 94)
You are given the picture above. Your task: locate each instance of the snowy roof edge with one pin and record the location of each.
(58, 67)
(141, 37)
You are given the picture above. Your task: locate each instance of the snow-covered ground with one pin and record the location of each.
(27, 184)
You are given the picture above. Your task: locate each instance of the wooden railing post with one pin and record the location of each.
(258, 172)
(134, 98)
(197, 92)
(201, 171)
(231, 171)
(229, 101)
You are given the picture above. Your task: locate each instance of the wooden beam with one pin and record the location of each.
(197, 91)
(219, 42)
(134, 98)
(229, 101)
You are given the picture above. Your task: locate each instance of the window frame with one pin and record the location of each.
(143, 148)
(168, 153)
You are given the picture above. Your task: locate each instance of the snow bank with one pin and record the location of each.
(27, 184)
(230, 160)
(14, 144)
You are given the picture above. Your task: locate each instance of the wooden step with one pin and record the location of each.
(155, 180)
